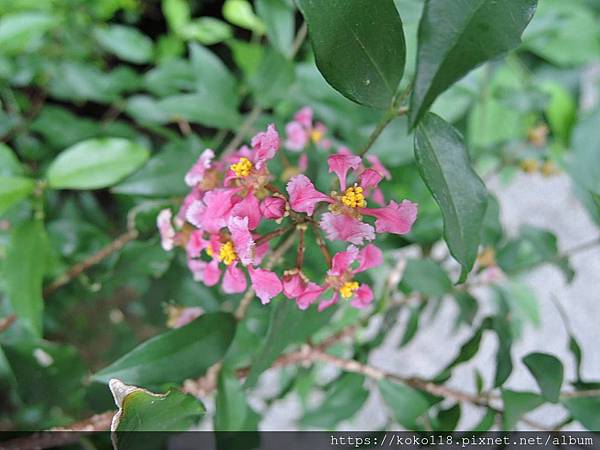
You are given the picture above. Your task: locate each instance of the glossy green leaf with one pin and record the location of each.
(455, 37)
(23, 273)
(95, 163)
(9, 163)
(342, 400)
(407, 404)
(444, 164)
(278, 17)
(171, 357)
(163, 175)
(548, 373)
(127, 43)
(240, 13)
(13, 190)
(142, 410)
(585, 411)
(288, 325)
(359, 47)
(516, 404)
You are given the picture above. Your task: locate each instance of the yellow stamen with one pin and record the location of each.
(209, 250)
(354, 198)
(227, 253)
(348, 289)
(316, 136)
(530, 165)
(242, 168)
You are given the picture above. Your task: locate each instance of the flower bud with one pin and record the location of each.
(273, 208)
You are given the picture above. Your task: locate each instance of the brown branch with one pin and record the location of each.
(91, 261)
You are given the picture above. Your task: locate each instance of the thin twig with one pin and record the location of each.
(6, 322)
(389, 115)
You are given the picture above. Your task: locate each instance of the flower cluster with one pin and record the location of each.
(232, 198)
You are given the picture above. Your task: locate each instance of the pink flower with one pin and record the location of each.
(340, 278)
(273, 208)
(344, 221)
(242, 239)
(166, 230)
(183, 316)
(213, 211)
(265, 145)
(265, 283)
(234, 280)
(297, 138)
(196, 173)
(379, 167)
(248, 207)
(301, 131)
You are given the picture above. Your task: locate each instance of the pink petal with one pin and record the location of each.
(310, 295)
(195, 194)
(342, 261)
(234, 280)
(303, 195)
(212, 273)
(369, 256)
(260, 251)
(369, 179)
(265, 144)
(216, 209)
(293, 285)
(273, 208)
(341, 164)
(297, 137)
(327, 303)
(362, 297)
(378, 197)
(166, 230)
(196, 173)
(376, 164)
(265, 283)
(187, 315)
(241, 238)
(394, 218)
(248, 207)
(345, 228)
(197, 268)
(303, 162)
(304, 117)
(195, 244)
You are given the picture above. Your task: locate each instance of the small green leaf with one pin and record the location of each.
(504, 365)
(447, 419)
(548, 373)
(516, 404)
(412, 326)
(486, 422)
(456, 37)
(583, 162)
(176, 355)
(142, 410)
(127, 43)
(288, 325)
(427, 277)
(206, 108)
(177, 13)
(585, 411)
(359, 47)
(13, 190)
(240, 13)
(232, 410)
(407, 404)
(95, 163)
(24, 271)
(273, 79)
(9, 163)
(278, 17)
(444, 164)
(20, 31)
(343, 399)
(207, 30)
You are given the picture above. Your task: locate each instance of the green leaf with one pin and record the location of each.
(206, 108)
(447, 419)
(273, 79)
(207, 30)
(278, 18)
(407, 404)
(232, 410)
(213, 77)
(583, 163)
(176, 355)
(487, 421)
(163, 175)
(444, 164)
(95, 163)
(142, 410)
(22, 31)
(585, 411)
(504, 363)
(240, 13)
(412, 326)
(9, 163)
(561, 111)
(177, 13)
(456, 37)
(288, 325)
(427, 277)
(13, 190)
(359, 47)
(24, 270)
(516, 404)
(548, 373)
(342, 400)
(127, 43)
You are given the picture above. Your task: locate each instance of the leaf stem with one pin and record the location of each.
(394, 111)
